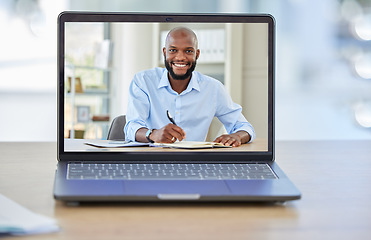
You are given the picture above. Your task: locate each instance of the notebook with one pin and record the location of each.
(191, 145)
(106, 51)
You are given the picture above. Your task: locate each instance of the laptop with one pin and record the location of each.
(98, 56)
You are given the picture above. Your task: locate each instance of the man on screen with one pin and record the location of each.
(191, 98)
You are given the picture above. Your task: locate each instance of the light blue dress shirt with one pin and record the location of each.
(150, 95)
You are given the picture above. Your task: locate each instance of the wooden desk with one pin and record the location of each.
(333, 176)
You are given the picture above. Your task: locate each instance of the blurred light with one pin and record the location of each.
(350, 9)
(38, 24)
(30, 11)
(351, 52)
(362, 27)
(363, 66)
(362, 112)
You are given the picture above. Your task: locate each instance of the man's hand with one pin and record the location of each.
(234, 139)
(168, 134)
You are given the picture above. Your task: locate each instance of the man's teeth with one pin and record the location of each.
(179, 65)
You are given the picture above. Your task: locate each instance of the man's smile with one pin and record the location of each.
(180, 70)
(180, 65)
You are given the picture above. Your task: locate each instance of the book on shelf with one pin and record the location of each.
(78, 85)
(100, 118)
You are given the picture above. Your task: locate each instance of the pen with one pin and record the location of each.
(170, 118)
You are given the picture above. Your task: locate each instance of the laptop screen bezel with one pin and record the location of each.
(238, 156)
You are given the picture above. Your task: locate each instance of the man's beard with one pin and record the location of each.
(180, 77)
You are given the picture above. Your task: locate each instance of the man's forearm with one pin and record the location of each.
(140, 135)
(244, 136)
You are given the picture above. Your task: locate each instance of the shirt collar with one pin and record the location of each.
(193, 84)
(164, 81)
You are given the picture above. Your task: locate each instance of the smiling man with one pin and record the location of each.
(193, 99)
(181, 62)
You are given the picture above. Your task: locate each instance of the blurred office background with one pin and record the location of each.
(323, 63)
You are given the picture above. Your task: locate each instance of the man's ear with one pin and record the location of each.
(164, 51)
(197, 54)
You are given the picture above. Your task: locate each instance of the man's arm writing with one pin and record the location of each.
(167, 134)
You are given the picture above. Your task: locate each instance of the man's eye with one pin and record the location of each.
(189, 51)
(172, 50)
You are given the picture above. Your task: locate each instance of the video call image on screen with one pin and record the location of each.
(101, 60)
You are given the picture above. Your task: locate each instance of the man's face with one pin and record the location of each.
(180, 55)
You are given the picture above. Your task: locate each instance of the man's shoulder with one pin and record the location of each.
(148, 79)
(151, 73)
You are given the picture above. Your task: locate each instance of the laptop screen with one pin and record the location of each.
(112, 68)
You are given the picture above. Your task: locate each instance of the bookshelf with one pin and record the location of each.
(87, 110)
(88, 80)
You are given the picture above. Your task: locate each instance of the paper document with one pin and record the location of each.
(17, 220)
(191, 145)
(114, 144)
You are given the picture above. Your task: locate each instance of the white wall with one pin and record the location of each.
(255, 77)
(28, 116)
(131, 55)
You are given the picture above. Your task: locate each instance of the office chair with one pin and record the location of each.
(116, 130)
